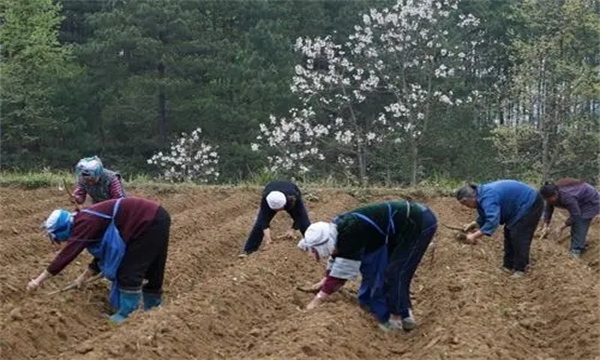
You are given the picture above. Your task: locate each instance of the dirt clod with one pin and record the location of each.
(15, 314)
(84, 349)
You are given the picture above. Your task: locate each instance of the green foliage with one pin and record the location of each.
(518, 149)
(556, 82)
(577, 151)
(32, 62)
(53, 181)
(84, 78)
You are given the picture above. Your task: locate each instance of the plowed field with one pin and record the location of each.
(220, 307)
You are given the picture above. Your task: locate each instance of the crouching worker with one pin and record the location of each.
(277, 195)
(511, 203)
(583, 203)
(128, 238)
(96, 181)
(384, 243)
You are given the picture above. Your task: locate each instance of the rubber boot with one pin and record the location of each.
(151, 301)
(128, 303)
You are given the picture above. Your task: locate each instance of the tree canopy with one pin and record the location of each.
(379, 91)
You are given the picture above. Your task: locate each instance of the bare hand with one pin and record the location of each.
(267, 237)
(544, 232)
(32, 285)
(314, 303)
(558, 232)
(80, 282)
(472, 238)
(317, 300)
(267, 242)
(317, 286)
(289, 234)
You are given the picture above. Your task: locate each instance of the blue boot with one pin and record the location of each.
(151, 300)
(128, 303)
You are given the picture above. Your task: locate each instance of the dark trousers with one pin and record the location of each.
(146, 257)
(403, 265)
(298, 213)
(517, 239)
(579, 230)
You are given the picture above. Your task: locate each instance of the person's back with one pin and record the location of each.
(580, 199)
(286, 187)
(399, 220)
(586, 195)
(276, 196)
(513, 197)
(134, 216)
(355, 243)
(511, 203)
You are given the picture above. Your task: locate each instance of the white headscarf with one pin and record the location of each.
(320, 236)
(276, 200)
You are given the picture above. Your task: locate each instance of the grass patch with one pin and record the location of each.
(32, 180)
(45, 179)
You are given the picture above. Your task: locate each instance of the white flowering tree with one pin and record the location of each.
(377, 89)
(188, 158)
(413, 51)
(335, 93)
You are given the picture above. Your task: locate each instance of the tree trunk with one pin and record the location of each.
(162, 107)
(101, 129)
(360, 151)
(550, 125)
(362, 165)
(415, 163)
(545, 152)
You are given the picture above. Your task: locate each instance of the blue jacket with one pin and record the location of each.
(503, 202)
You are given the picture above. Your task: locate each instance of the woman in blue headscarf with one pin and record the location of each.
(128, 238)
(94, 180)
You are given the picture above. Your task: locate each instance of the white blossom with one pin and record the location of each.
(339, 83)
(179, 164)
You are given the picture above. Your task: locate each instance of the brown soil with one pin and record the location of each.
(220, 307)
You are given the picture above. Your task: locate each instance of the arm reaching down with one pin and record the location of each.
(79, 194)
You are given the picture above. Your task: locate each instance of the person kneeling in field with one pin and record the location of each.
(96, 181)
(383, 242)
(583, 203)
(277, 195)
(128, 238)
(511, 203)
